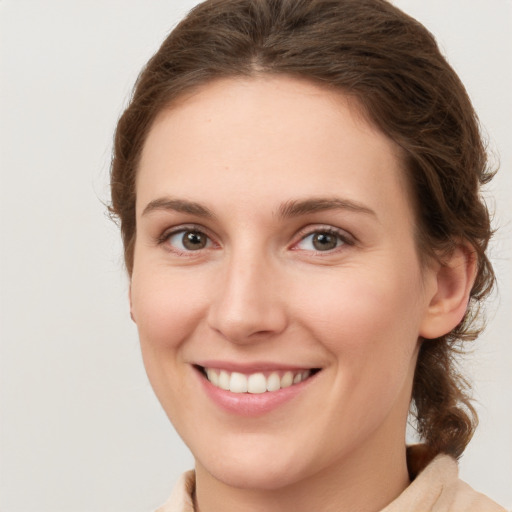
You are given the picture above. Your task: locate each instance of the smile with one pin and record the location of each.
(255, 383)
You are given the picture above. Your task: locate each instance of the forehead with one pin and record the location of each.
(277, 135)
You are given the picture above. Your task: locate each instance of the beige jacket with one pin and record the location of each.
(437, 488)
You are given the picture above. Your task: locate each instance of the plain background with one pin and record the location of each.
(80, 428)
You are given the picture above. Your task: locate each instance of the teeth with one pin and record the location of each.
(238, 383)
(223, 380)
(256, 382)
(287, 380)
(273, 382)
(213, 377)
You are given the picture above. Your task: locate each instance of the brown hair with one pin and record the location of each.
(391, 65)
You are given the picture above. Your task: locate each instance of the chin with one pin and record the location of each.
(248, 476)
(261, 471)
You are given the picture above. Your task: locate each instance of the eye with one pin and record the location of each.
(322, 241)
(188, 240)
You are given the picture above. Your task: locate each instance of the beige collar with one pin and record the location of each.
(437, 488)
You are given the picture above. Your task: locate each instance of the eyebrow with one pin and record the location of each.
(178, 205)
(292, 208)
(303, 207)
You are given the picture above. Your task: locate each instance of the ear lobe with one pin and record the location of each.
(454, 277)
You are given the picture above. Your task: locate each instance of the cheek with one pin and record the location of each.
(366, 318)
(165, 308)
(369, 325)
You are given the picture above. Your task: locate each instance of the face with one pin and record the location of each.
(276, 284)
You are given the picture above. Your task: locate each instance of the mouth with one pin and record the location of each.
(257, 382)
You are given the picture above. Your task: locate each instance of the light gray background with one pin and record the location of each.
(80, 428)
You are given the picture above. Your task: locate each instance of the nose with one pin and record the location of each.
(248, 303)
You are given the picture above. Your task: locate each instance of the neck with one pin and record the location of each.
(360, 482)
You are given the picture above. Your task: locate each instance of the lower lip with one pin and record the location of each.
(249, 404)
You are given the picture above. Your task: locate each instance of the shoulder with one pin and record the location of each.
(457, 495)
(437, 487)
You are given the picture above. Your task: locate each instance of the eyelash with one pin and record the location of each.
(166, 235)
(342, 236)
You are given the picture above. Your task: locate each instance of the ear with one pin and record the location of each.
(131, 304)
(453, 279)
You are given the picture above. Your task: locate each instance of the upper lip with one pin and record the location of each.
(252, 367)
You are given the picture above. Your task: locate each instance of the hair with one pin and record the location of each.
(391, 66)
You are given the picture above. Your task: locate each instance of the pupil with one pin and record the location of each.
(194, 240)
(324, 241)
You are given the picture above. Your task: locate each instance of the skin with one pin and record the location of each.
(259, 291)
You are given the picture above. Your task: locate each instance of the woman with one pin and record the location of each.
(298, 189)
